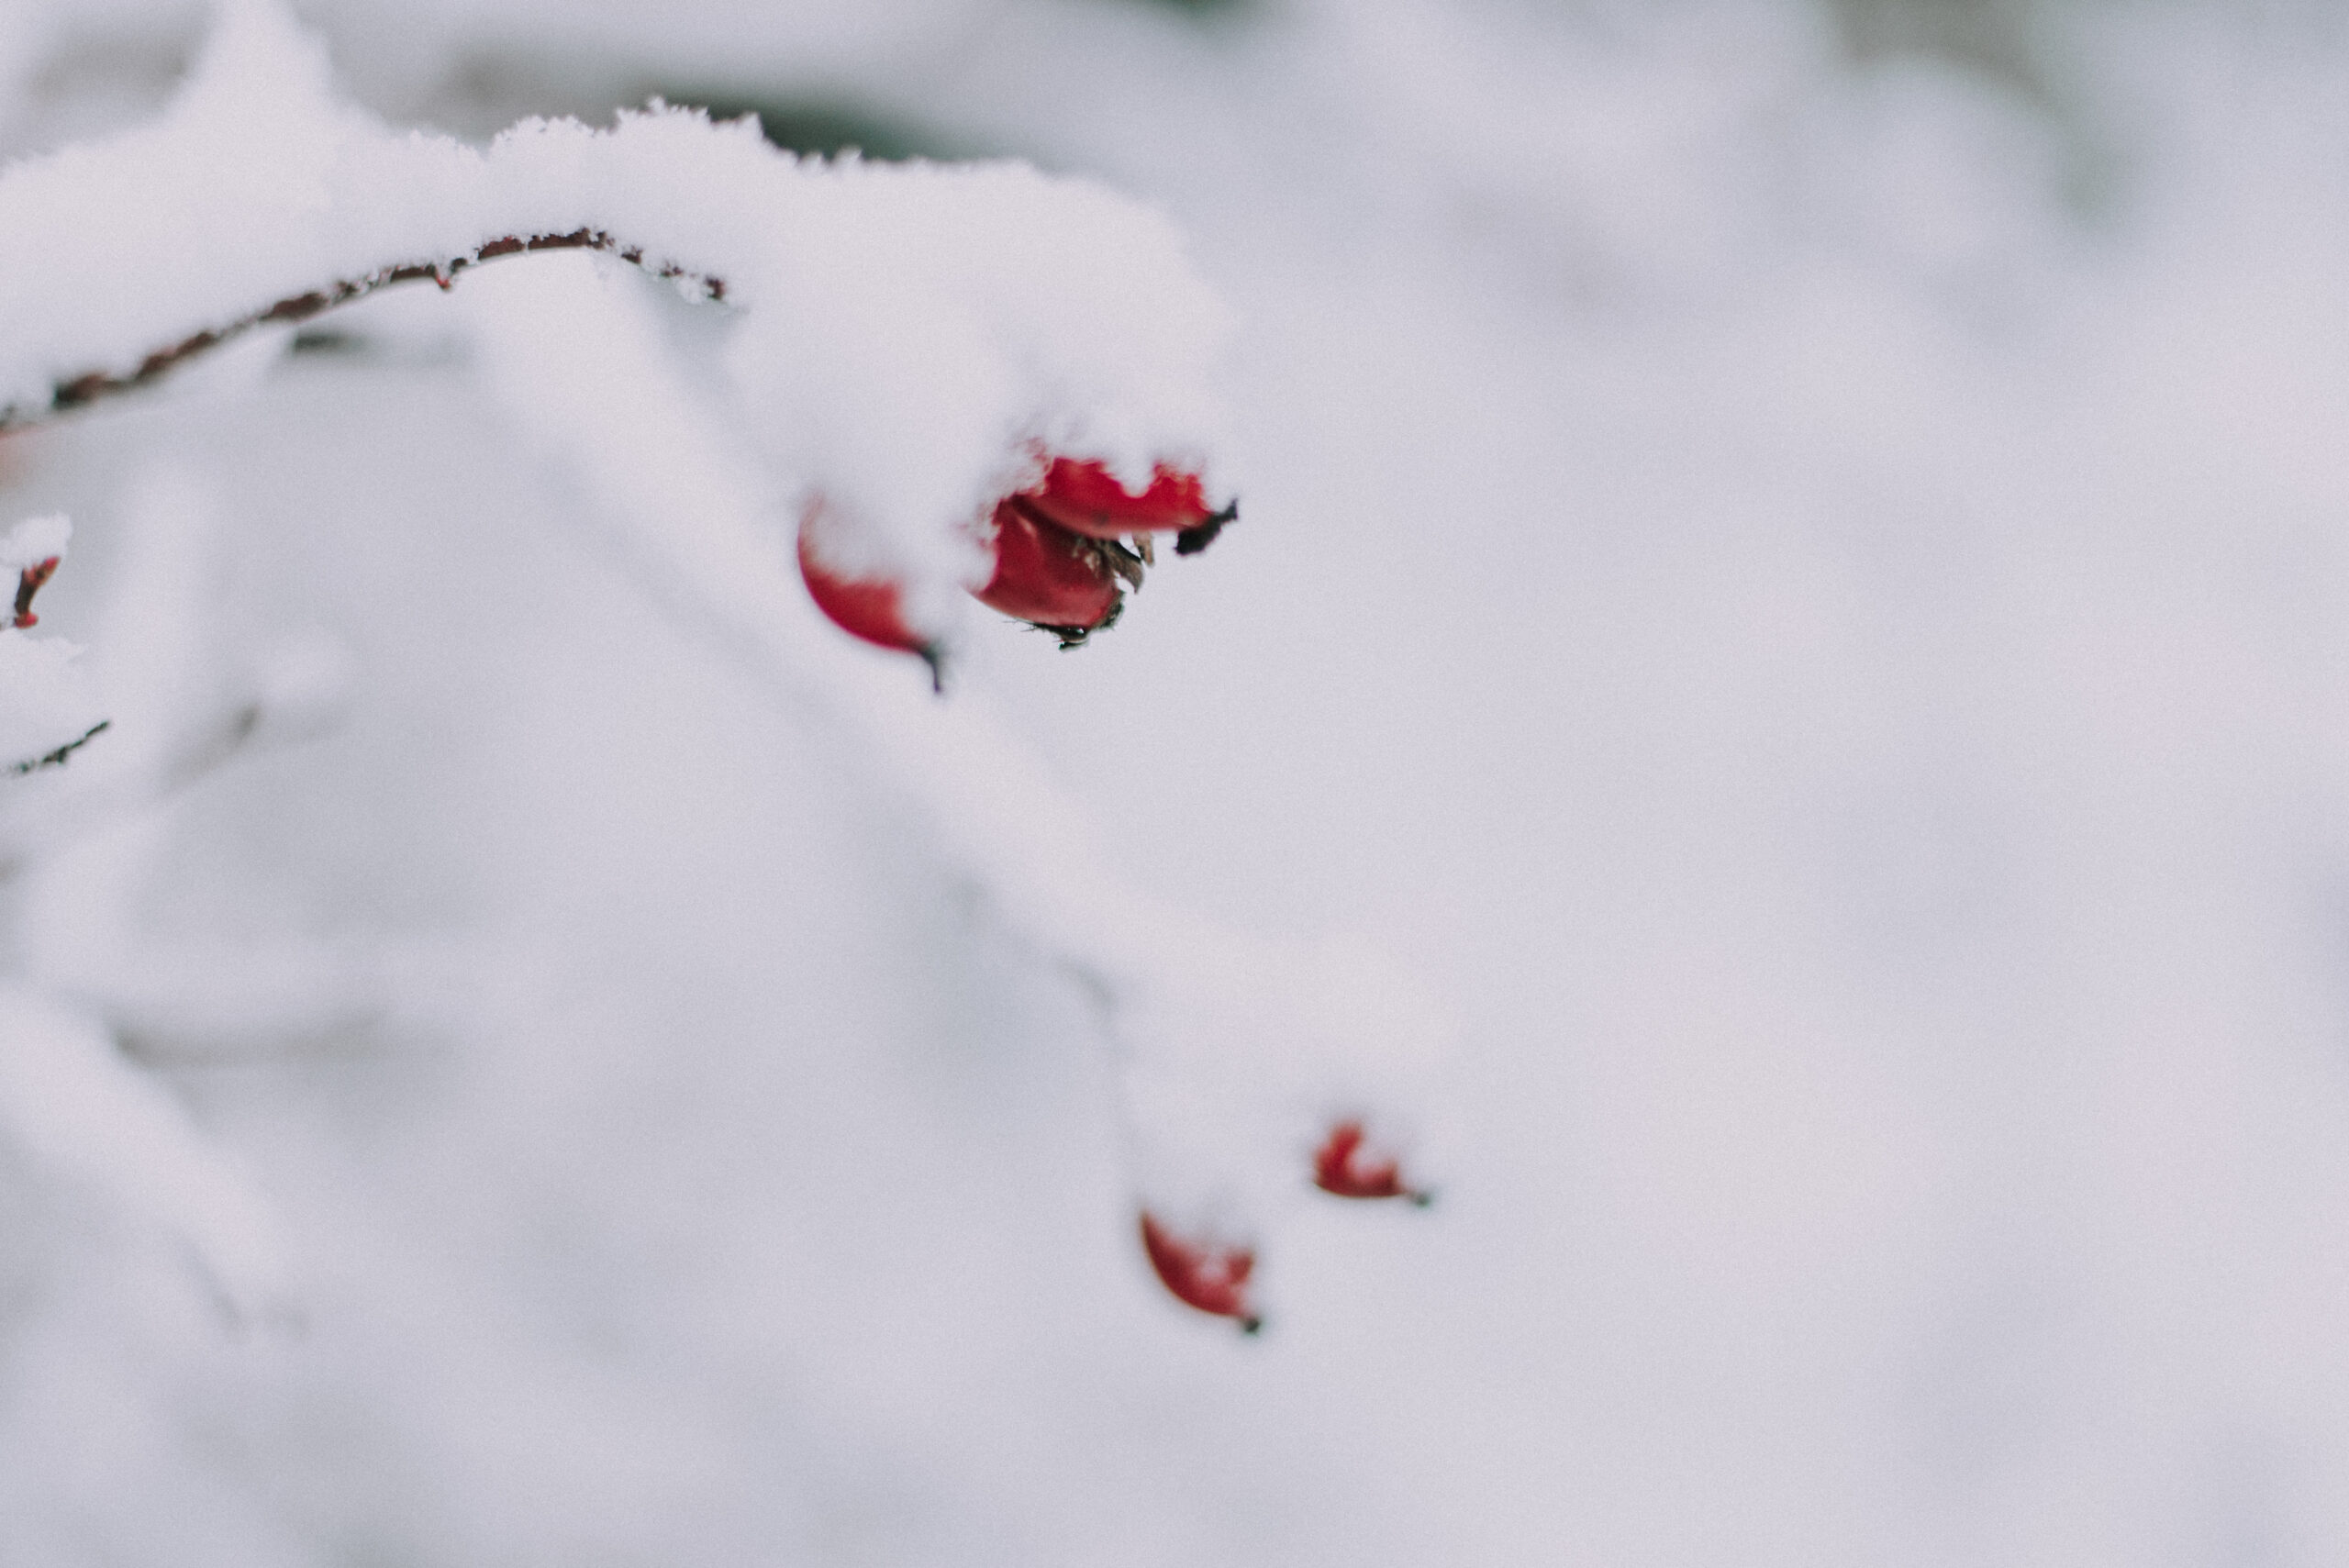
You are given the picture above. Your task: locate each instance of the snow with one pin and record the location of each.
(33, 540)
(1790, 602)
(71, 1101)
(577, 360)
(47, 704)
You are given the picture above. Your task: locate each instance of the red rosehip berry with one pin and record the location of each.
(1209, 1276)
(1347, 1166)
(1086, 498)
(1052, 578)
(872, 608)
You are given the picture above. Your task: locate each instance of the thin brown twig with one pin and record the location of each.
(80, 391)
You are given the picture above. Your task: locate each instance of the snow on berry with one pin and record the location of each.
(1205, 1272)
(1350, 1163)
(1084, 497)
(872, 608)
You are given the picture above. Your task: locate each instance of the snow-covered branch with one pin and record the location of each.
(908, 332)
(91, 386)
(905, 341)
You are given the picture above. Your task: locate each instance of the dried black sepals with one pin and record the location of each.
(1075, 635)
(1198, 536)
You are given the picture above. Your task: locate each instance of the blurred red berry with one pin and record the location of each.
(1050, 577)
(1347, 1166)
(872, 608)
(29, 583)
(1086, 498)
(1210, 1276)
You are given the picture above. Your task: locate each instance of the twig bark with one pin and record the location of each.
(80, 391)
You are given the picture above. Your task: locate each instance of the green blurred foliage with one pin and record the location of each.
(829, 127)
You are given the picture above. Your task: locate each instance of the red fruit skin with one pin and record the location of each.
(872, 608)
(1045, 575)
(1208, 1276)
(1346, 1166)
(1084, 497)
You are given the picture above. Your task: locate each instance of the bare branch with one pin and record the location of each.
(57, 759)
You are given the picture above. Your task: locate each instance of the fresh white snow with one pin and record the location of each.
(1787, 609)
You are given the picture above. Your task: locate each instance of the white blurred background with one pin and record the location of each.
(1796, 558)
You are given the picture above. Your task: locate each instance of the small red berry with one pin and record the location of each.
(872, 608)
(1050, 577)
(1207, 1276)
(1084, 497)
(1346, 1166)
(29, 583)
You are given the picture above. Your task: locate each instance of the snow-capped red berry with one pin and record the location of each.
(1048, 576)
(1208, 1275)
(1086, 498)
(1346, 1165)
(872, 608)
